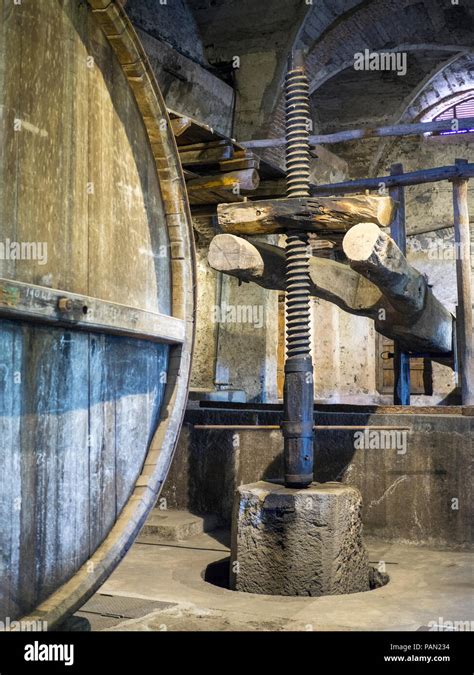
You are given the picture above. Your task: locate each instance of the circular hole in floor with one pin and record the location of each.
(217, 574)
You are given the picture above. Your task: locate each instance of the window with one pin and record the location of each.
(459, 111)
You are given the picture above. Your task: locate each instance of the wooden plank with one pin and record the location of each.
(214, 197)
(44, 166)
(11, 372)
(401, 360)
(54, 469)
(239, 164)
(244, 180)
(464, 331)
(129, 257)
(206, 156)
(180, 125)
(10, 73)
(140, 373)
(102, 433)
(26, 302)
(319, 214)
(197, 132)
(206, 145)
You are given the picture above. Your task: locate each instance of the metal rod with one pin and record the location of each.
(463, 273)
(434, 175)
(401, 360)
(298, 394)
(275, 427)
(466, 125)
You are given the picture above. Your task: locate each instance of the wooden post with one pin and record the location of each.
(401, 360)
(463, 274)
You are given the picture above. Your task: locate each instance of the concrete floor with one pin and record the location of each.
(425, 586)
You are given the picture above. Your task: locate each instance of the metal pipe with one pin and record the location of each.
(465, 125)
(298, 395)
(401, 360)
(275, 427)
(413, 178)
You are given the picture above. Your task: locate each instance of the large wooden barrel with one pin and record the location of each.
(96, 299)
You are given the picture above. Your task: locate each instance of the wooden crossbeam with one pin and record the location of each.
(320, 214)
(27, 302)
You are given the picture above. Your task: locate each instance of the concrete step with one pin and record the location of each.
(175, 526)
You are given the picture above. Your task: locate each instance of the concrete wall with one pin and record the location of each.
(248, 340)
(173, 45)
(415, 493)
(236, 332)
(169, 21)
(343, 355)
(208, 287)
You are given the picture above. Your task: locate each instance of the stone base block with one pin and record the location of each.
(298, 542)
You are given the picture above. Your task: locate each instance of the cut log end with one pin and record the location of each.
(359, 243)
(228, 253)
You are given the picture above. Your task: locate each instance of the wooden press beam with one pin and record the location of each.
(310, 214)
(27, 302)
(396, 296)
(464, 331)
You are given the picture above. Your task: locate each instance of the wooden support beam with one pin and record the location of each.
(322, 214)
(463, 274)
(429, 330)
(401, 359)
(26, 302)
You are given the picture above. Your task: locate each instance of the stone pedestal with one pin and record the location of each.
(298, 542)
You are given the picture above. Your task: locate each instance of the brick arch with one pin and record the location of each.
(452, 83)
(429, 27)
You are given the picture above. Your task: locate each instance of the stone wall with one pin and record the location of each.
(414, 490)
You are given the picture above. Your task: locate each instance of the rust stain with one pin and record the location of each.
(9, 296)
